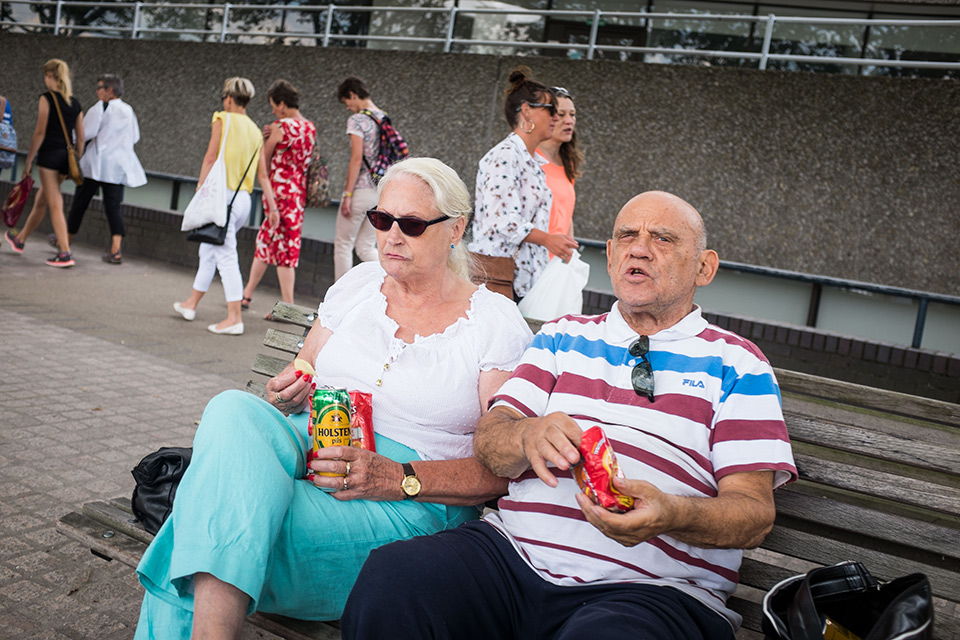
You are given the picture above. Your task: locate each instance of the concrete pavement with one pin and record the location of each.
(97, 371)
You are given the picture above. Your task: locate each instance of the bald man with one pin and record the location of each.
(693, 414)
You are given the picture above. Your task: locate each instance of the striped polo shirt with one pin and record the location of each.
(716, 411)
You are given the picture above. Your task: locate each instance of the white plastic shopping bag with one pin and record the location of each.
(558, 291)
(209, 203)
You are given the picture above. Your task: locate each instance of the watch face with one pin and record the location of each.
(411, 485)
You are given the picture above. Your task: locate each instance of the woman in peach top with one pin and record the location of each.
(563, 167)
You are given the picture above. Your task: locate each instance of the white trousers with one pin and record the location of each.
(223, 258)
(355, 232)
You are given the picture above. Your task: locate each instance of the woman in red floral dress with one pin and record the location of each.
(287, 147)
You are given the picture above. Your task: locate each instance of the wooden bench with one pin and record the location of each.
(880, 483)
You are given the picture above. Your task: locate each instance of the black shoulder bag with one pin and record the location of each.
(824, 602)
(211, 233)
(158, 476)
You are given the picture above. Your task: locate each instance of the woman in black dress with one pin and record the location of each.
(48, 147)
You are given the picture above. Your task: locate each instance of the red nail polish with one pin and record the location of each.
(307, 378)
(297, 373)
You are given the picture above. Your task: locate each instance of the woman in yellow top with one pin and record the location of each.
(241, 149)
(563, 167)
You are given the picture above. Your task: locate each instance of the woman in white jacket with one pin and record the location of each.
(109, 163)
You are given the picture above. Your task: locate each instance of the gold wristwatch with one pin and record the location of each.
(411, 483)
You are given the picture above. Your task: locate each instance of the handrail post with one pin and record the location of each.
(326, 30)
(921, 322)
(136, 21)
(226, 17)
(767, 37)
(593, 34)
(56, 18)
(453, 21)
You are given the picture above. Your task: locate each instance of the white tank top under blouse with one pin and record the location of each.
(428, 397)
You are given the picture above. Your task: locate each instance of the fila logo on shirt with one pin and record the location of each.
(693, 383)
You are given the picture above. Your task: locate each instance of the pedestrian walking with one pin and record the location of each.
(353, 230)
(109, 163)
(241, 149)
(562, 168)
(510, 234)
(59, 122)
(283, 176)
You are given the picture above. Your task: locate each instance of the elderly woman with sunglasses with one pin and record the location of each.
(248, 531)
(512, 198)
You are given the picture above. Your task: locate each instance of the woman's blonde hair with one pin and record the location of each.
(240, 89)
(61, 73)
(450, 195)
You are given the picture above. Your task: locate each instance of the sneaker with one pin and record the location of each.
(52, 241)
(112, 258)
(61, 260)
(12, 241)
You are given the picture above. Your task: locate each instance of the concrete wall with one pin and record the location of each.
(842, 176)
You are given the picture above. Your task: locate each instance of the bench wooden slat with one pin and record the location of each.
(102, 539)
(873, 443)
(294, 314)
(269, 365)
(892, 486)
(821, 507)
(859, 395)
(293, 629)
(257, 388)
(121, 520)
(283, 341)
(944, 581)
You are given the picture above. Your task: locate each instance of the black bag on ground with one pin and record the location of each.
(845, 594)
(157, 477)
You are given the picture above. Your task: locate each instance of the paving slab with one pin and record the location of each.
(97, 370)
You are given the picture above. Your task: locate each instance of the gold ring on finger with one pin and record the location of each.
(348, 467)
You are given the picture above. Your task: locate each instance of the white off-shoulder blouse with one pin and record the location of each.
(428, 392)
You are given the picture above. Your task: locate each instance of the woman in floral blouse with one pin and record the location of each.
(512, 199)
(283, 177)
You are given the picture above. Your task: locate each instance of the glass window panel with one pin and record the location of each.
(516, 26)
(815, 39)
(620, 31)
(702, 34)
(409, 24)
(906, 42)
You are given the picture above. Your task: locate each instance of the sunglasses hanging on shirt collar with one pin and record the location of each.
(642, 375)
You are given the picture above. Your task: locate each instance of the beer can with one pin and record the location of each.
(329, 420)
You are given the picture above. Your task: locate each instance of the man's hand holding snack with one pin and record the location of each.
(552, 439)
(649, 517)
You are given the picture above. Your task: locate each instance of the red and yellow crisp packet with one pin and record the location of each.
(361, 420)
(598, 466)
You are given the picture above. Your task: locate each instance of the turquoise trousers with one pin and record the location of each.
(244, 514)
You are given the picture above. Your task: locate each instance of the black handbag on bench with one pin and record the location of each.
(804, 607)
(157, 477)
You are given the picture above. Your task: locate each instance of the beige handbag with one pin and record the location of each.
(73, 164)
(496, 273)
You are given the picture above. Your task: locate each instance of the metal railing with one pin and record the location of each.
(818, 283)
(139, 28)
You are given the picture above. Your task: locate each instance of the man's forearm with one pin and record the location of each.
(731, 521)
(498, 443)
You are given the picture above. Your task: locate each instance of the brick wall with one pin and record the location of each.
(156, 234)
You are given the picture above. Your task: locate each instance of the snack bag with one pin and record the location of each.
(598, 466)
(361, 420)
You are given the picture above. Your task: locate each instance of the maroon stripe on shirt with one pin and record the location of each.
(546, 508)
(583, 319)
(712, 334)
(661, 544)
(513, 402)
(728, 430)
(759, 466)
(543, 380)
(675, 471)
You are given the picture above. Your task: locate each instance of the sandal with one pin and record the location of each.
(245, 303)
